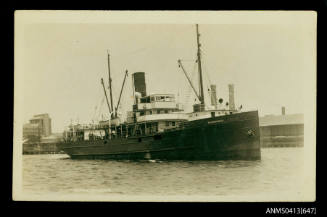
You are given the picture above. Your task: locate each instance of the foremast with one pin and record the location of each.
(201, 95)
(110, 86)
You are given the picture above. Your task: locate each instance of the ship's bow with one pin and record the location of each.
(235, 136)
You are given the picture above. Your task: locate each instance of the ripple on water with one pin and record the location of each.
(278, 171)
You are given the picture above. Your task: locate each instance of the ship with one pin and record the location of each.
(157, 128)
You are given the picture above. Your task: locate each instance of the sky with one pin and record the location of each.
(61, 65)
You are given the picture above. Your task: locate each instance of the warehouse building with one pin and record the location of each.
(38, 126)
(282, 130)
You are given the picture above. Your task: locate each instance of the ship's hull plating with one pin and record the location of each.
(229, 137)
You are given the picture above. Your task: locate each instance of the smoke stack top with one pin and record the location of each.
(139, 83)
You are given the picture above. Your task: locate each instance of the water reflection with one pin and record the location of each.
(277, 171)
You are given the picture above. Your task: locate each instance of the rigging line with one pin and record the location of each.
(99, 109)
(133, 52)
(206, 69)
(208, 83)
(147, 47)
(207, 79)
(189, 91)
(188, 60)
(102, 102)
(96, 111)
(96, 108)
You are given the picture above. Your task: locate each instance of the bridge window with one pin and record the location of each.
(166, 111)
(145, 99)
(167, 123)
(168, 99)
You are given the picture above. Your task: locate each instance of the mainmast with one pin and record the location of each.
(110, 87)
(199, 65)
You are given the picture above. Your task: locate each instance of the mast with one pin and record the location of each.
(199, 64)
(110, 87)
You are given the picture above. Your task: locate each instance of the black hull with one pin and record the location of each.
(229, 137)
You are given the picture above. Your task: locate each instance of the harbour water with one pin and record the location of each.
(277, 174)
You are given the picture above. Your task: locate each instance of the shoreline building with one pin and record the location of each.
(39, 125)
(285, 130)
(31, 130)
(38, 136)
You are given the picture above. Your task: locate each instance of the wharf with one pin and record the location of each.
(40, 148)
